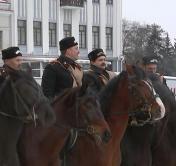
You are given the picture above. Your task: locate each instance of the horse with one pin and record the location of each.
(21, 101)
(75, 110)
(152, 144)
(123, 96)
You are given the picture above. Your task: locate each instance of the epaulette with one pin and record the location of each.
(55, 61)
(2, 72)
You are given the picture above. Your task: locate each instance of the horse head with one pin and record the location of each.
(146, 105)
(28, 100)
(79, 110)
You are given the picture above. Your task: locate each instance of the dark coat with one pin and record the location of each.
(56, 77)
(4, 73)
(94, 78)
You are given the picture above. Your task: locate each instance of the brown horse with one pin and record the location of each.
(152, 144)
(74, 110)
(21, 101)
(126, 94)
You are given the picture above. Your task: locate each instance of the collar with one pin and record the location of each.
(99, 70)
(66, 61)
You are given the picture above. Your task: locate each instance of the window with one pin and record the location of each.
(95, 1)
(21, 32)
(52, 35)
(82, 36)
(67, 30)
(109, 38)
(0, 39)
(37, 33)
(95, 37)
(109, 2)
(35, 66)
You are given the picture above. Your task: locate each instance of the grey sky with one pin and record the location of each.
(161, 12)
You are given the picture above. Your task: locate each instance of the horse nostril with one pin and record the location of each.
(106, 136)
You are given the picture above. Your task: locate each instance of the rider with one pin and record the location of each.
(150, 64)
(12, 59)
(64, 72)
(97, 76)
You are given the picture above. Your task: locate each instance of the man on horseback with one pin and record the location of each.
(97, 76)
(150, 65)
(12, 58)
(64, 72)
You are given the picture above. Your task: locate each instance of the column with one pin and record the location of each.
(75, 23)
(60, 20)
(117, 28)
(13, 17)
(89, 25)
(103, 25)
(45, 26)
(30, 16)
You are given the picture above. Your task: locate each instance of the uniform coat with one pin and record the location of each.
(57, 76)
(97, 78)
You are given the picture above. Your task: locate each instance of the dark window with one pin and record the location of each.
(67, 30)
(109, 38)
(21, 32)
(95, 37)
(37, 33)
(35, 66)
(109, 2)
(52, 35)
(0, 39)
(95, 1)
(82, 36)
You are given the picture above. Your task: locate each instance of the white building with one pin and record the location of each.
(36, 26)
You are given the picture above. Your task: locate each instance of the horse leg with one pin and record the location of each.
(8, 140)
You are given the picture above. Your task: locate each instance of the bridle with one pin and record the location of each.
(144, 107)
(86, 130)
(31, 113)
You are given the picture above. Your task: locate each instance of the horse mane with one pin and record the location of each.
(69, 94)
(21, 74)
(106, 93)
(164, 92)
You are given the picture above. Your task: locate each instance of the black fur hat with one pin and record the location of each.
(67, 42)
(11, 52)
(93, 55)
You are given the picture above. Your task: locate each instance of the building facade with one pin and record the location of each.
(36, 26)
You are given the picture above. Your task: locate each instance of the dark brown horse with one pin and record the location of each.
(74, 110)
(153, 144)
(125, 95)
(21, 101)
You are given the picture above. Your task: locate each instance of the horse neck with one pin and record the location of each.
(117, 116)
(65, 115)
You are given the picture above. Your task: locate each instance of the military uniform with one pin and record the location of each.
(97, 78)
(3, 75)
(59, 75)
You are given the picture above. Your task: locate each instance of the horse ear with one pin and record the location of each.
(129, 69)
(83, 89)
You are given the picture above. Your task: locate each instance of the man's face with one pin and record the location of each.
(14, 63)
(151, 68)
(100, 62)
(73, 52)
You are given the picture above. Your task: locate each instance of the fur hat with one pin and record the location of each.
(67, 42)
(11, 52)
(93, 55)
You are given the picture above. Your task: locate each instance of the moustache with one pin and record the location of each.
(103, 64)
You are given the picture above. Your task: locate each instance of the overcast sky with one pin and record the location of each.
(161, 12)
